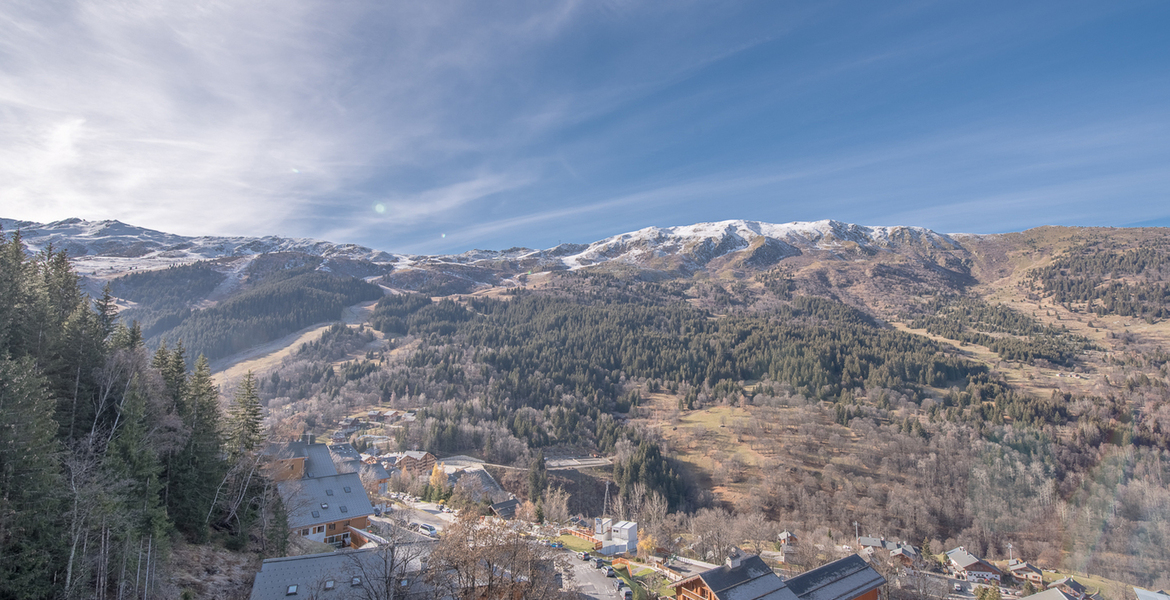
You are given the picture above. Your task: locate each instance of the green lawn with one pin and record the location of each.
(575, 543)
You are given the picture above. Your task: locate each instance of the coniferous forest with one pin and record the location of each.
(111, 453)
(725, 409)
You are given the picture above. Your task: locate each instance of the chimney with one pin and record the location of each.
(734, 558)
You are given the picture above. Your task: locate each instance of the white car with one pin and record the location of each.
(427, 529)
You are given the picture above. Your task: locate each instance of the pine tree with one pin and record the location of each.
(245, 424)
(29, 481)
(197, 469)
(537, 477)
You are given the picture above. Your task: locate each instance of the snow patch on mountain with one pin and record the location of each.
(705, 241)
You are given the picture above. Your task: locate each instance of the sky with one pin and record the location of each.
(436, 127)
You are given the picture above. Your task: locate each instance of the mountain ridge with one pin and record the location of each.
(113, 238)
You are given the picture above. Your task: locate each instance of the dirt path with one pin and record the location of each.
(267, 356)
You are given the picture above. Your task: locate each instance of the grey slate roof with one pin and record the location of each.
(751, 580)
(506, 509)
(965, 560)
(842, 579)
(325, 496)
(1072, 584)
(309, 573)
(1053, 594)
(899, 547)
(1144, 594)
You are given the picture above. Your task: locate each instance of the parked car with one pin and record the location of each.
(609, 572)
(428, 529)
(598, 563)
(556, 545)
(958, 587)
(619, 584)
(377, 512)
(627, 594)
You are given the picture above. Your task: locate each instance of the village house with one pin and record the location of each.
(413, 462)
(349, 575)
(350, 460)
(1071, 587)
(905, 554)
(1026, 572)
(746, 577)
(972, 568)
(320, 502)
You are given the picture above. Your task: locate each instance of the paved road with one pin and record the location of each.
(591, 582)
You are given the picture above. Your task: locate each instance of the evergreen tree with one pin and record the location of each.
(198, 468)
(245, 425)
(537, 477)
(29, 481)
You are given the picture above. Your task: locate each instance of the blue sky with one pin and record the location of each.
(434, 127)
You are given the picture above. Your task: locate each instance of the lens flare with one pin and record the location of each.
(378, 208)
(443, 235)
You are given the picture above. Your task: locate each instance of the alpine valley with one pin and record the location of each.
(1007, 393)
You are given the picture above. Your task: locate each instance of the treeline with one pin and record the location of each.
(107, 452)
(1021, 338)
(281, 305)
(164, 297)
(1128, 283)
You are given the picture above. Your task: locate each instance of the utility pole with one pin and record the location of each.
(605, 507)
(1009, 551)
(856, 535)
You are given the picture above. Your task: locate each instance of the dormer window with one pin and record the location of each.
(291, 591)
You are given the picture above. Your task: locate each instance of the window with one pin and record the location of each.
(347, 489)
(304, 532)
(328, 492)
(344, 509)
(329, 584)
(346, 525)
(291, 591)
(319, 529)
(332, 526)
(316, 514)
(325, 505)
(356, 581)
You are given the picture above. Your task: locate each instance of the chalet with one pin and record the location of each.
(349, 575)
(321, 508)
(904, 553)
(972, 568)
(747, 577)
(321, 503)
(1071, 587)
(300, 459)
(1026, 572)
(787, 538)
(415, 463)
(348, 459)
(506, 509)
(850, 578)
